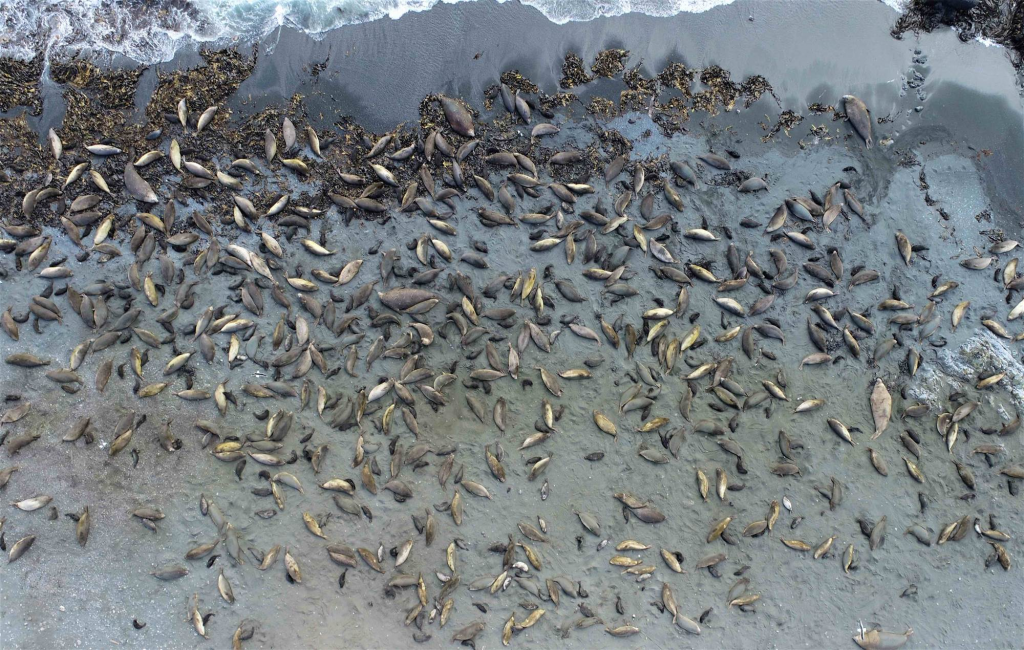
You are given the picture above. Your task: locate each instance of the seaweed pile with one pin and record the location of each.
(999, 20)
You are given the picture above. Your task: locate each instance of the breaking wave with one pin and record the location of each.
(151, 32)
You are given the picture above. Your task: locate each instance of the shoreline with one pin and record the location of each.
(361, 72)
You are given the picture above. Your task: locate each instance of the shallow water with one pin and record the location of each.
(61, 594)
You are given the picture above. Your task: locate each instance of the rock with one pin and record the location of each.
(959, 369)
(958, 5)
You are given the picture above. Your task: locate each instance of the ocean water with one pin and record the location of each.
(152, 32)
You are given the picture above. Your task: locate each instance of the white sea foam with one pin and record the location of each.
(898, 5)
(151, 32)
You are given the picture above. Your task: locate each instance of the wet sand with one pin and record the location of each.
(61, 594)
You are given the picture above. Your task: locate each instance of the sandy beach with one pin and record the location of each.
(943, 171)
